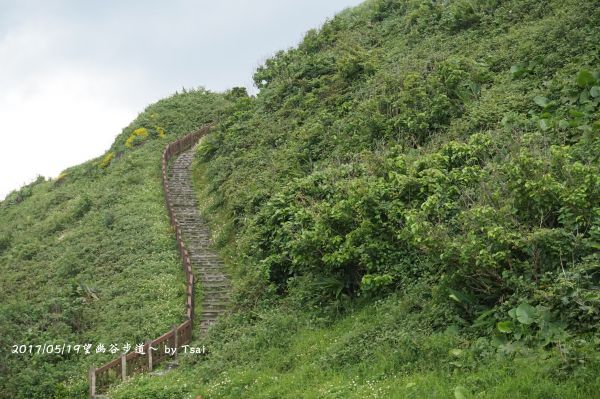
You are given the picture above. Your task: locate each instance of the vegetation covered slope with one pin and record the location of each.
(89, 257)
(410, 207)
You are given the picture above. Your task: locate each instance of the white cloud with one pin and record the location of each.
(53, 113)
(73, 74)
(59, 120)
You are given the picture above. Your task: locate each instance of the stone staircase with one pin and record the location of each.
(208, 268)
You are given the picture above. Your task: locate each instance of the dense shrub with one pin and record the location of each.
(137, 137)
(462, 155)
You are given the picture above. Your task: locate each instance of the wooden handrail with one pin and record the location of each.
(102, 377)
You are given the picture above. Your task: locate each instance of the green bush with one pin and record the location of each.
(5, 241)
(105, 162)
(137, 137)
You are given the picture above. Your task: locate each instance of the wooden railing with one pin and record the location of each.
(154, 351)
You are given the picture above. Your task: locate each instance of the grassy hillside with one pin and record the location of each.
(89, 257)
(411, 208)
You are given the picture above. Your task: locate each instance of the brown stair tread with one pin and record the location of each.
(206, 264)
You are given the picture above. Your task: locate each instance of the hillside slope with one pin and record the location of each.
(411, 208)
(89, 257)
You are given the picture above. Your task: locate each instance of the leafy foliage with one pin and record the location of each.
(409, 207)
(106, 160)
(440, 147)
(137, 137)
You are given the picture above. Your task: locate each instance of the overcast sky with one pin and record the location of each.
(74, 73)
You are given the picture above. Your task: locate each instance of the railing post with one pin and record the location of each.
(192, 311)
(123, 367)
(190, 289)
(176, 340)
(149, 355)
(92, 378)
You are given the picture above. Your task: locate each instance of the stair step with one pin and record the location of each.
(208, 267)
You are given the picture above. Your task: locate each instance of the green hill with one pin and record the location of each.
(410, 207)
(89, 257)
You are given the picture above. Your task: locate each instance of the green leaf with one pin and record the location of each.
(564, 124)
(456, 352)
(526, 313)
(585, 78)
(517, 71)
(459, 297)
(544, 124)
(499, 340)
(461, 392)
(505, 326)
(595, 91)
(452, 329)
(509, 348)
(575, 113)
(541, 101)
